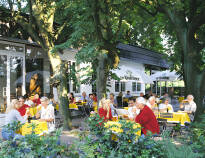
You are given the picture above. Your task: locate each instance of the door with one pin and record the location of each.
(3, 81)
(12, 74)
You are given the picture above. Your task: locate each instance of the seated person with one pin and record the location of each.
(36, 99)
(132, 110)
(166, 95)
(28, 101)
(165, 106)
(71, 98)
(189, 107)
(47, 114)
(119, 100)
(151, 103)
(105, 110)
(95, 97)
(113, 101)
(89, 106)
(146, 117)
(12, 115)
(141, 94)
(84, 97)
(22, 106)
(128, 95)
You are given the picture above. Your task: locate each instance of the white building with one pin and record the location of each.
(20, 60)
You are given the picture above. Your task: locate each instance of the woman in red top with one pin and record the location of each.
(71, 98)
(22, 106)
(36, 99)
(104, 110)
(95, 97)
(146, 118)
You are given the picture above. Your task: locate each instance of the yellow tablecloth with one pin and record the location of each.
(180, 117)
(95, 106)
(118, 129)
(73, 106)
(33, 110)
(40, 127)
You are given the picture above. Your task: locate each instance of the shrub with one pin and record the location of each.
(100, 142)
(32, 146)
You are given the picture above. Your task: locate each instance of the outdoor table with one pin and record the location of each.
(33, 110)
(117, 128)
(178, 117)
(126, 108)
(40, 127)
(81, 107)
(73, 106)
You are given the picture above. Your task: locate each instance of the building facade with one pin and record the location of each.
(25, 68)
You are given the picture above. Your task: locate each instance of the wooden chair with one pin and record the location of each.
(162, 123)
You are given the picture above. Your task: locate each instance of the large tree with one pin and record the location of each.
(45, 23)
(98, 27)
(185, 21)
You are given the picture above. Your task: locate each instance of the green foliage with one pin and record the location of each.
(197, 135)
(32, 146)
(101, 142)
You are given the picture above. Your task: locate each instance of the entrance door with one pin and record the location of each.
(12, 76)
(3, 81)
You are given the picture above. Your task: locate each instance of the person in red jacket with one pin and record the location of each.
(23, 107)
(36, 99)
(146, 117)
(104, 110)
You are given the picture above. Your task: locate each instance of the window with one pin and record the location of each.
(123, 87)
(94, 88)
(117, 86)
(138, 86)
(134, 86)
(76, 88)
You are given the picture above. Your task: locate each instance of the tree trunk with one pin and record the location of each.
(102, 74)
(195, 83)
(60, 73)
(63, 98)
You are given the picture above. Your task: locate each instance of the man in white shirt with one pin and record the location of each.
(190, 107)
(47, 114)
(84, 97)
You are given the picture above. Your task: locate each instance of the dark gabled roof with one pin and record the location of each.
(16, 40)
(142, 55)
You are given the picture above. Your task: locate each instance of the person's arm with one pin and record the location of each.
(181, 106)
(20, 118)
(142, 119)
(115, 102)
(193, 108)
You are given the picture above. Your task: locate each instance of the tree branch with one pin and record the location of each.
(97, 21)
(60, 30)
(148, 11)
(119, 25)
(197, 22)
